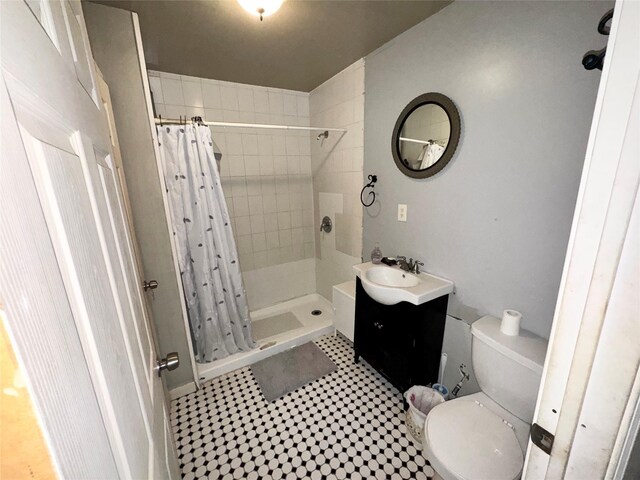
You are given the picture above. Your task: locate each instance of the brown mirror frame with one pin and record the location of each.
(454, 120)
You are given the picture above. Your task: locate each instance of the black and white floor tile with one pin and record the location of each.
(346, 425)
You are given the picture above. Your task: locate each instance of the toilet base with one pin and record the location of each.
(436, 476)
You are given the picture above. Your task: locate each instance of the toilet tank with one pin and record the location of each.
(508, 368)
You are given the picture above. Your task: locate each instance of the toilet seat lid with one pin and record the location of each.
(472, 442)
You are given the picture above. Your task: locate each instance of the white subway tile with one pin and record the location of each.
(255, 205)
(243, 226)
(257, 224)
(229, 97)
(211, 96)
(305, 165)
(236, 166)
(249, 144)
(271, 222)
(304, 145)
(273, 240)
(174, 111)
(245, 100)
(265, 145)
(292, 145)
(307, 233)
(280, 164)
(279, 144)
(282, 202)
(160, 110)
(303, 106)
(251, 165)
(269, 204)
(273, 256)
(259, 242)
(192, 92)
(260, 259)
(285, 238)
(268, 185)
(266, 165)
(297, 236)
(276, 103)
(231, 116)
(295, 200)
(263, 118)
(172, 91)
(261, 101)
(241, 205)
(290, 105)
(244, 244)
(284, 221)
(234, 143)
(246, 117)
(296, 218)
(213, 115)
(310, 252)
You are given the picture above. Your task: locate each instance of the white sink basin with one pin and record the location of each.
(391, 277)
(391, 285)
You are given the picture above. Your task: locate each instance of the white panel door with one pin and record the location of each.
(50, 83)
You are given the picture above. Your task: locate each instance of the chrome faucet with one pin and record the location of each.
(402, 263)
(416, 266)
(410, 266)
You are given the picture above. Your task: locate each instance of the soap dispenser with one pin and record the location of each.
(376, 254)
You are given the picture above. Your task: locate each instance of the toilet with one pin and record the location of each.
(484, 436)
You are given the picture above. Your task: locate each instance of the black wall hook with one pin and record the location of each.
(372, 180)
(595, 58)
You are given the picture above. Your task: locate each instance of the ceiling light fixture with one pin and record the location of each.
(261, 8)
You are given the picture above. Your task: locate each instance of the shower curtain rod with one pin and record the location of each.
(163, 121)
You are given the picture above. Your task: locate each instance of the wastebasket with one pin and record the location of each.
(421, 401)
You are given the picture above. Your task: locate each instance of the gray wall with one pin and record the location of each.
(114, 48)
(496, 220)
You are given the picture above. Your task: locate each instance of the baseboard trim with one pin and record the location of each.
(182, 390)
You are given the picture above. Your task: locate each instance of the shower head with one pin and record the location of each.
(324, 134)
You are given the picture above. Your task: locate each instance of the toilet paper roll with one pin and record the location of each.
(510, 322)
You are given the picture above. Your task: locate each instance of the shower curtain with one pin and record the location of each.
(207, 254)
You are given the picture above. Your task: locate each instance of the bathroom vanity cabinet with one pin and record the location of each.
(403, 341)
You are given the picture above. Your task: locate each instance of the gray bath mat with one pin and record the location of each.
(275, 325)
(287, 371)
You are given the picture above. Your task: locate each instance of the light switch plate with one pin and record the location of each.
(402, 212)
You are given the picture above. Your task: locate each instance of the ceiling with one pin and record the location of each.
(299, 47)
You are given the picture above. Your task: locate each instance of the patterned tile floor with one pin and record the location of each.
(346, 425)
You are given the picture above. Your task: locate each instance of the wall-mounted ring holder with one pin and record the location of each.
(372, 180)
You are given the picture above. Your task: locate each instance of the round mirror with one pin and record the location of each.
(426, 135)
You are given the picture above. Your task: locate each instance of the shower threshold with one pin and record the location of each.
(287, 325)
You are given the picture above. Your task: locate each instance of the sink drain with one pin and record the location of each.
(316, 312)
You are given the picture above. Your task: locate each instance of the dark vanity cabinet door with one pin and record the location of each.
(403, 342)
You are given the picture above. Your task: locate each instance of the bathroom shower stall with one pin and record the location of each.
(286, 159)
(265, 170)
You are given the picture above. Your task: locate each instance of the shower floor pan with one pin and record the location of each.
(287, 325)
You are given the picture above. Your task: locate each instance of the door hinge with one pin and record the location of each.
(542, 438)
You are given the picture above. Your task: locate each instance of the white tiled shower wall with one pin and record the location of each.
(266, 177)
(337, 164)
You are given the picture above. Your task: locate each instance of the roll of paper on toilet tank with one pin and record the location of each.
(510, 322)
